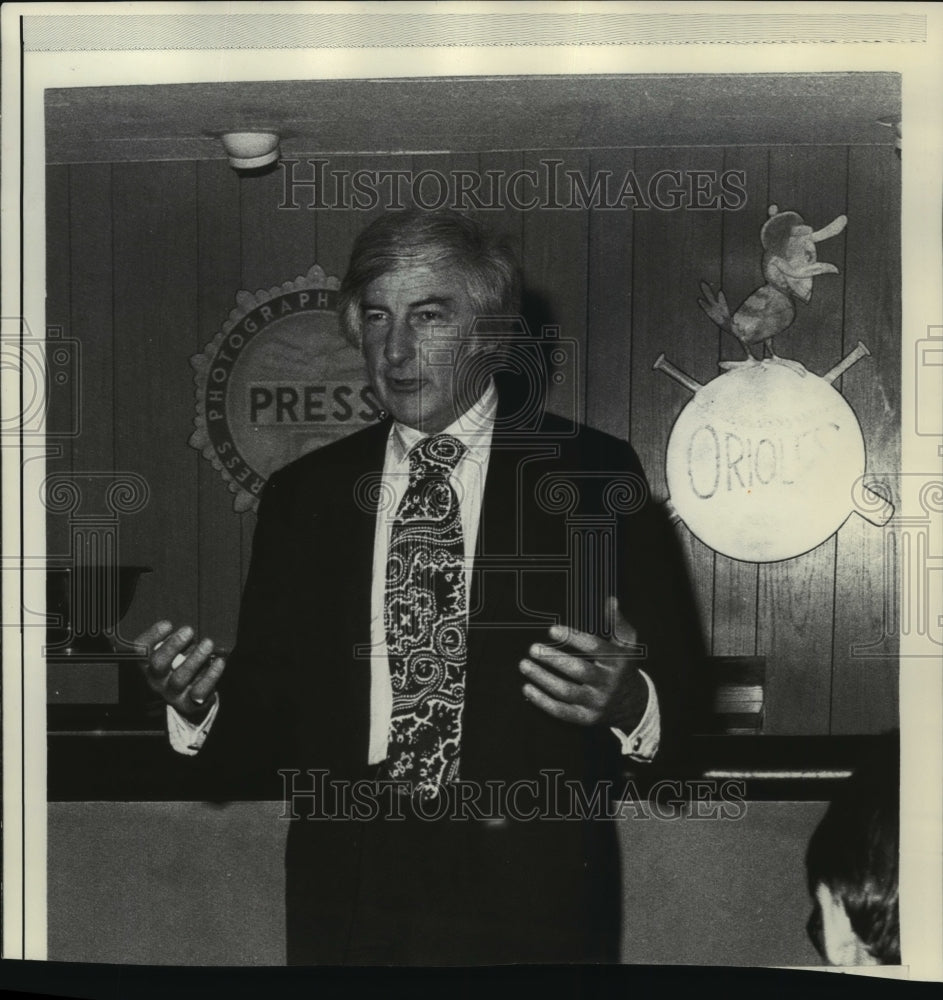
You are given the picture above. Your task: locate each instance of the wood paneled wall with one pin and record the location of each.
(145, 259)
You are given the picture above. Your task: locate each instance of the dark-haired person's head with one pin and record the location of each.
(419, 291)
(852, 865)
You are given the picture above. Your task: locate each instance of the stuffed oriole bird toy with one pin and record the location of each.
(789, 264)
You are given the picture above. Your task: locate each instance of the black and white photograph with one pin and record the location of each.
(472, 486)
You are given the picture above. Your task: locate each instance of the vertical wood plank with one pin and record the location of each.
(872, 304)
(794, 632)
(734, 610)
(218, 279)
(278, 244)
(92, 323)
(609, 312)
(864, 688)
(470, 190)
(674, 251)
(735, 582)
(812, 180)
(337, 227)
(61, 397)
(450, 168)
(94, 458)
(864, 695)
(348, 213)
(555, 272)
(156, 315)
(796, 597)
(503, 220)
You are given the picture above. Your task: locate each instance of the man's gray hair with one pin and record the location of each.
(431, 239)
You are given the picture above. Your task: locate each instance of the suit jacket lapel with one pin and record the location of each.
(500, 627)
(337, 517)
(360, 498)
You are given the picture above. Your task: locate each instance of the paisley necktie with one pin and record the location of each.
(426, 621)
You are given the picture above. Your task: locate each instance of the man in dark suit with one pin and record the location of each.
(458, 626)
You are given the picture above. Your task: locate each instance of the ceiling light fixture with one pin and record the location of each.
(250, 150)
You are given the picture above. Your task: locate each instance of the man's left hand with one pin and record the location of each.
(582, 678)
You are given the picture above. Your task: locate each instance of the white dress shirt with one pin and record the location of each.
(474, 429)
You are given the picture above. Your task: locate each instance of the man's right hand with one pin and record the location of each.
(190, 686)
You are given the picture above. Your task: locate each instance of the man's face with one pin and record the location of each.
(403, 310)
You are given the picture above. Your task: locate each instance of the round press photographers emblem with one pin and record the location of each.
(278, 380)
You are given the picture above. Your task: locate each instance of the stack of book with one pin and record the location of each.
(738, 694)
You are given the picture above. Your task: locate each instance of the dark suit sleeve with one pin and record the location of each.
(241, 756)
(656, 597)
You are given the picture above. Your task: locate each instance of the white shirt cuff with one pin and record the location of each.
(643, 742)
(187, 737)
